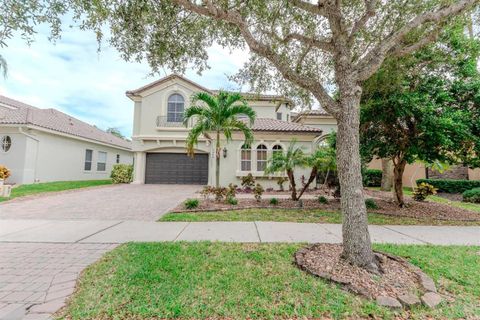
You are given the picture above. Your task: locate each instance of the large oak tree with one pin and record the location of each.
(307, 49)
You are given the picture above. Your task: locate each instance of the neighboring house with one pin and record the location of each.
(159, 137)
(41, 145)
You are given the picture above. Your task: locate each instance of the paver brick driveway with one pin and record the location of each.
(118, 202)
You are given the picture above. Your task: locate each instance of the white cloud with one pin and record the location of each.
(73, 77)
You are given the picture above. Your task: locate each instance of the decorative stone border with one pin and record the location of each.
(429, 297)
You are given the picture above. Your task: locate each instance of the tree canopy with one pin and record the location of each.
(425, 106)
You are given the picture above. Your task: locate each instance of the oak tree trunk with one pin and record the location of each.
(386, 184)
(357, 247)
(399, 168)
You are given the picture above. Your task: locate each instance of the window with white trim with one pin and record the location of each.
(118, 159)
(88, 160)
(277, 148)
(175, 108)
(6, 143)
(261, 157)
(102, 161)
(246, 158)
(279, 116)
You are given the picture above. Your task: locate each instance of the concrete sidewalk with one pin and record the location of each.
(111, 231)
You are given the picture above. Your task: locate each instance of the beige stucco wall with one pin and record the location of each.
(474, 174)
(326, 123)
(53, 157)
(14, 159)
(412, 172)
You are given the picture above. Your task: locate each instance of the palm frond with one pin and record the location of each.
(246, 130)
(207, 98)
(243, 109)
(194, 111)
(192, 138)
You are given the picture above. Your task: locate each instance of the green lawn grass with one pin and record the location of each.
(258, 281)
(297, 215)
(36, 188)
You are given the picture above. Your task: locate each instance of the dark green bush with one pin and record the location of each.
(122, 173)
(232, 200)
(371, 204)
(191, 203)
(372, 178)
(472, 195)
(451, 186)
(274, 201)
(322, 200)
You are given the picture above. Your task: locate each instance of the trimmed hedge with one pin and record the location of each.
(472, 195)
(122, 173)
(372, 178)
(451, 186)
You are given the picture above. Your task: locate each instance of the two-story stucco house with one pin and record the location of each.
(159, 137)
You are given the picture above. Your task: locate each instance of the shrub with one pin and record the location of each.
(191, 203)
(220, 193)
(4, 172)
(233, 201)
(472, 195)
(371, 204)
(422, 191)
(322, 200)
(372, 178)
(248, 181)
(232, 190)
(206, 192)
(280, 182)
(122, 173)
(258, 191)
(274, 201)
(451, 186)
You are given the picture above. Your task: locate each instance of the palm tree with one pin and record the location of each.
(286, 162)
(322, 160)
(220, 116)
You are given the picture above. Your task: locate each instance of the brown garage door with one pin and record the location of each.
(176, 168)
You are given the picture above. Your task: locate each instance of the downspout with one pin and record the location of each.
(35, 168)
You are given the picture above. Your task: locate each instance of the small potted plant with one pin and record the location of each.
(4, 174)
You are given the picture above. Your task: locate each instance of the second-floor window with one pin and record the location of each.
(175, 108)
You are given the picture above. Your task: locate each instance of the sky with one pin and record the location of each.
(73, 77)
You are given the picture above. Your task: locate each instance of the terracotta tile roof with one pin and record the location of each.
(16, 112)
(267, 124)
(315, 112)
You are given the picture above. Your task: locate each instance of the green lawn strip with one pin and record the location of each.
(299, 215)
(36, 188)
(237, 281)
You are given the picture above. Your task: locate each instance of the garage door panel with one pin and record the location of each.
(176, 168)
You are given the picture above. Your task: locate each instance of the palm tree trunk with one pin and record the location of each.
(291, 178)
(313, 175)
(217, 158)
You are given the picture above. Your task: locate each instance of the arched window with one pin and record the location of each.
(277, 148)
(176, 106)
(6, 143)
(261, 157)
(246, 158)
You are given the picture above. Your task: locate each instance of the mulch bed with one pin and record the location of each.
(413, 209)
(422, 210)
(398, 277)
